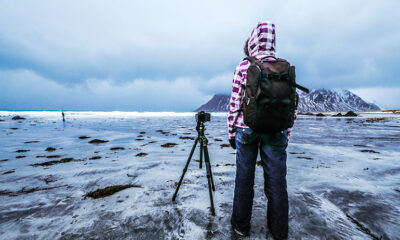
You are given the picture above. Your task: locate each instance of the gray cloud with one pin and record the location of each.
(340, 44)
(27, 90)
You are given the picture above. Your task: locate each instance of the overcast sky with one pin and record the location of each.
(175, 55)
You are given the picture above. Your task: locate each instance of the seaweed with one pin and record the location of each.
(186, 138)
(50, 163)
(224, 145)
(53, 156)
(31, 142)
(84, 137)
(95, 158)
(307, 158)
(21, 156)
(142, 154)
(162, 132)
(27, 190)
(169, 145)
(50, 149)
(98, 141)
(22, 150)
(108, 191)
(8, 172)
(117, 148)
(369, 151)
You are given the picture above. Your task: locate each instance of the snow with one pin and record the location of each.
(330, 177)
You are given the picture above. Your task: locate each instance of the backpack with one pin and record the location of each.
(270, 96)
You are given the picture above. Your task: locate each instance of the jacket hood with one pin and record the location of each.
(262, 40)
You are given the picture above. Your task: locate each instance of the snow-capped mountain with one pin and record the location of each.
(319, 100)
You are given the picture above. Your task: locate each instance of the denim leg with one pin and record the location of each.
(273, 155)
(247, 143)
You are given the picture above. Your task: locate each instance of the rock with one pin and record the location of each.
(320, 115)
(18, 118)
(351, 114)
(162, 132)
(22, 150)
(50, 149)
(84, 137)
(369, 151)
(53, 156)
(169, 145)
(186, 138)
(338, 115)
(142, 154)
(98, 141)
(50, 163)
(1, 120)
(117, 148)
(18, 157)
(224, 145)
(95, 158)
(32, 142)
(307, 158)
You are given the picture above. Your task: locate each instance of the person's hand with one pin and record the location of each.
(232, 142)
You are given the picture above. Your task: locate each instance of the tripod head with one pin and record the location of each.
(201, 118)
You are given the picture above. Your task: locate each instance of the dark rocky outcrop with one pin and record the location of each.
(351, 114)
(18, 118)
(98, 141)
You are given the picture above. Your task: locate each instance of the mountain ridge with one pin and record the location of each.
(318, 100)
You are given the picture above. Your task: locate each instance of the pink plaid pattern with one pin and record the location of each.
(261, 44)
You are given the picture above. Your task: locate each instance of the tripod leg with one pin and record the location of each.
(207, 162)
(201, 153)
(210, 180)
(185, 168)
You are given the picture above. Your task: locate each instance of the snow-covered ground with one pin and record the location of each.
(343, 178)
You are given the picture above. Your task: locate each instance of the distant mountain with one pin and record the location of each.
(319, 100)
(324, 100)
(218, 103)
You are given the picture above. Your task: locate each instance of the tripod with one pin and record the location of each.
(203, 150)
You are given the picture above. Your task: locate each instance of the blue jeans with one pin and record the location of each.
(273, 157)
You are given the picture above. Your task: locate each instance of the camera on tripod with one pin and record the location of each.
(203, 116)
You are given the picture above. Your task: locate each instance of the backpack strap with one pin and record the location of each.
(251, 59)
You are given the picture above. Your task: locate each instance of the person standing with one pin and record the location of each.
(272, 147)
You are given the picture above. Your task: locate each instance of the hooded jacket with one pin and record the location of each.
(260, 44)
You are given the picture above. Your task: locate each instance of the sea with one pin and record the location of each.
(112, 175)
